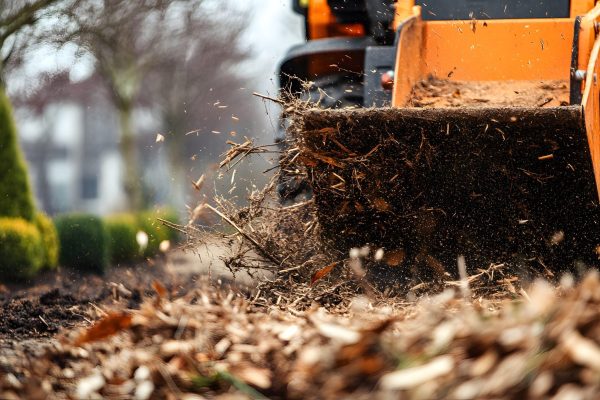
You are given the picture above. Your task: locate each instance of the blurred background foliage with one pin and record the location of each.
(93, 82)
(113, 107)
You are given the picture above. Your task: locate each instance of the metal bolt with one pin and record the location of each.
(387, 80)
(580, 75)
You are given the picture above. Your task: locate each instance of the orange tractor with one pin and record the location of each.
(479, 127)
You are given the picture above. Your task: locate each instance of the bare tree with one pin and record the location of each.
(126, 38)
(16, 16)
(196, 83)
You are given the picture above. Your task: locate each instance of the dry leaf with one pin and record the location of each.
(107, 326)
(381, 205)
(310, 162)
(394, 258)
(322, 273)
(327, 159)
(160, 290)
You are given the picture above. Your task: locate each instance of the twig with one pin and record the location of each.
(464, 278)
(262, 96)
(244, 234)
(171, 225)
(101, 311)
(44, 321)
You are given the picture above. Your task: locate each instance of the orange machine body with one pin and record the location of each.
(502, 50)
(323, 24)
(547, 49)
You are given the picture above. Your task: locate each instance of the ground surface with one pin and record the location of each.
(33, 313)
(164, 330)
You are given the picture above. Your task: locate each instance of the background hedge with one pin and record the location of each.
(49, 240)
(84, 242)
(156, 231)
(123, 246)
(21, 249)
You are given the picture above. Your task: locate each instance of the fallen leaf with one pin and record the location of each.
(160, 290)
(327, 160)
(107, 326)
(394, 258)
(320, 274)
(381, 205)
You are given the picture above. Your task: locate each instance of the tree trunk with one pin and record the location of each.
(178, 163)
(132, 181)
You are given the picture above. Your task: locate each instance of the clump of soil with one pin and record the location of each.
(39, 316)
(437, 93)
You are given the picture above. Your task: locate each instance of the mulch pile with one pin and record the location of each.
(435, 92)
(216, 344)
(497, 185)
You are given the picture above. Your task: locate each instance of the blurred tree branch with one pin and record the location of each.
(18, 20)
(169, 52)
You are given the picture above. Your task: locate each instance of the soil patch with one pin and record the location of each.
(39, 316)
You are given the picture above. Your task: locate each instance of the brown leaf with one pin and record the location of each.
(107, 326)
(322, 273)
(309, 162)
(328, 160)
(381, 205)
(394, 258)
(160, 290)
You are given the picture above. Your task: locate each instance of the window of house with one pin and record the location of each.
(89, 187)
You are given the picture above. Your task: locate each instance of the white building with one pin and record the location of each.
(72, 149)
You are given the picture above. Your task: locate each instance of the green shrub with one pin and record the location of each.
(84, 244)
(122, 230)
(49, 240)
(21, 249)
(16, 200)
(156, 231)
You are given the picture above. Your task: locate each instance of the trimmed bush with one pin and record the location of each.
(155, 230)
(122, 242)
(21, 249)
(84, 243)
(49, 240)
(16, 200)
